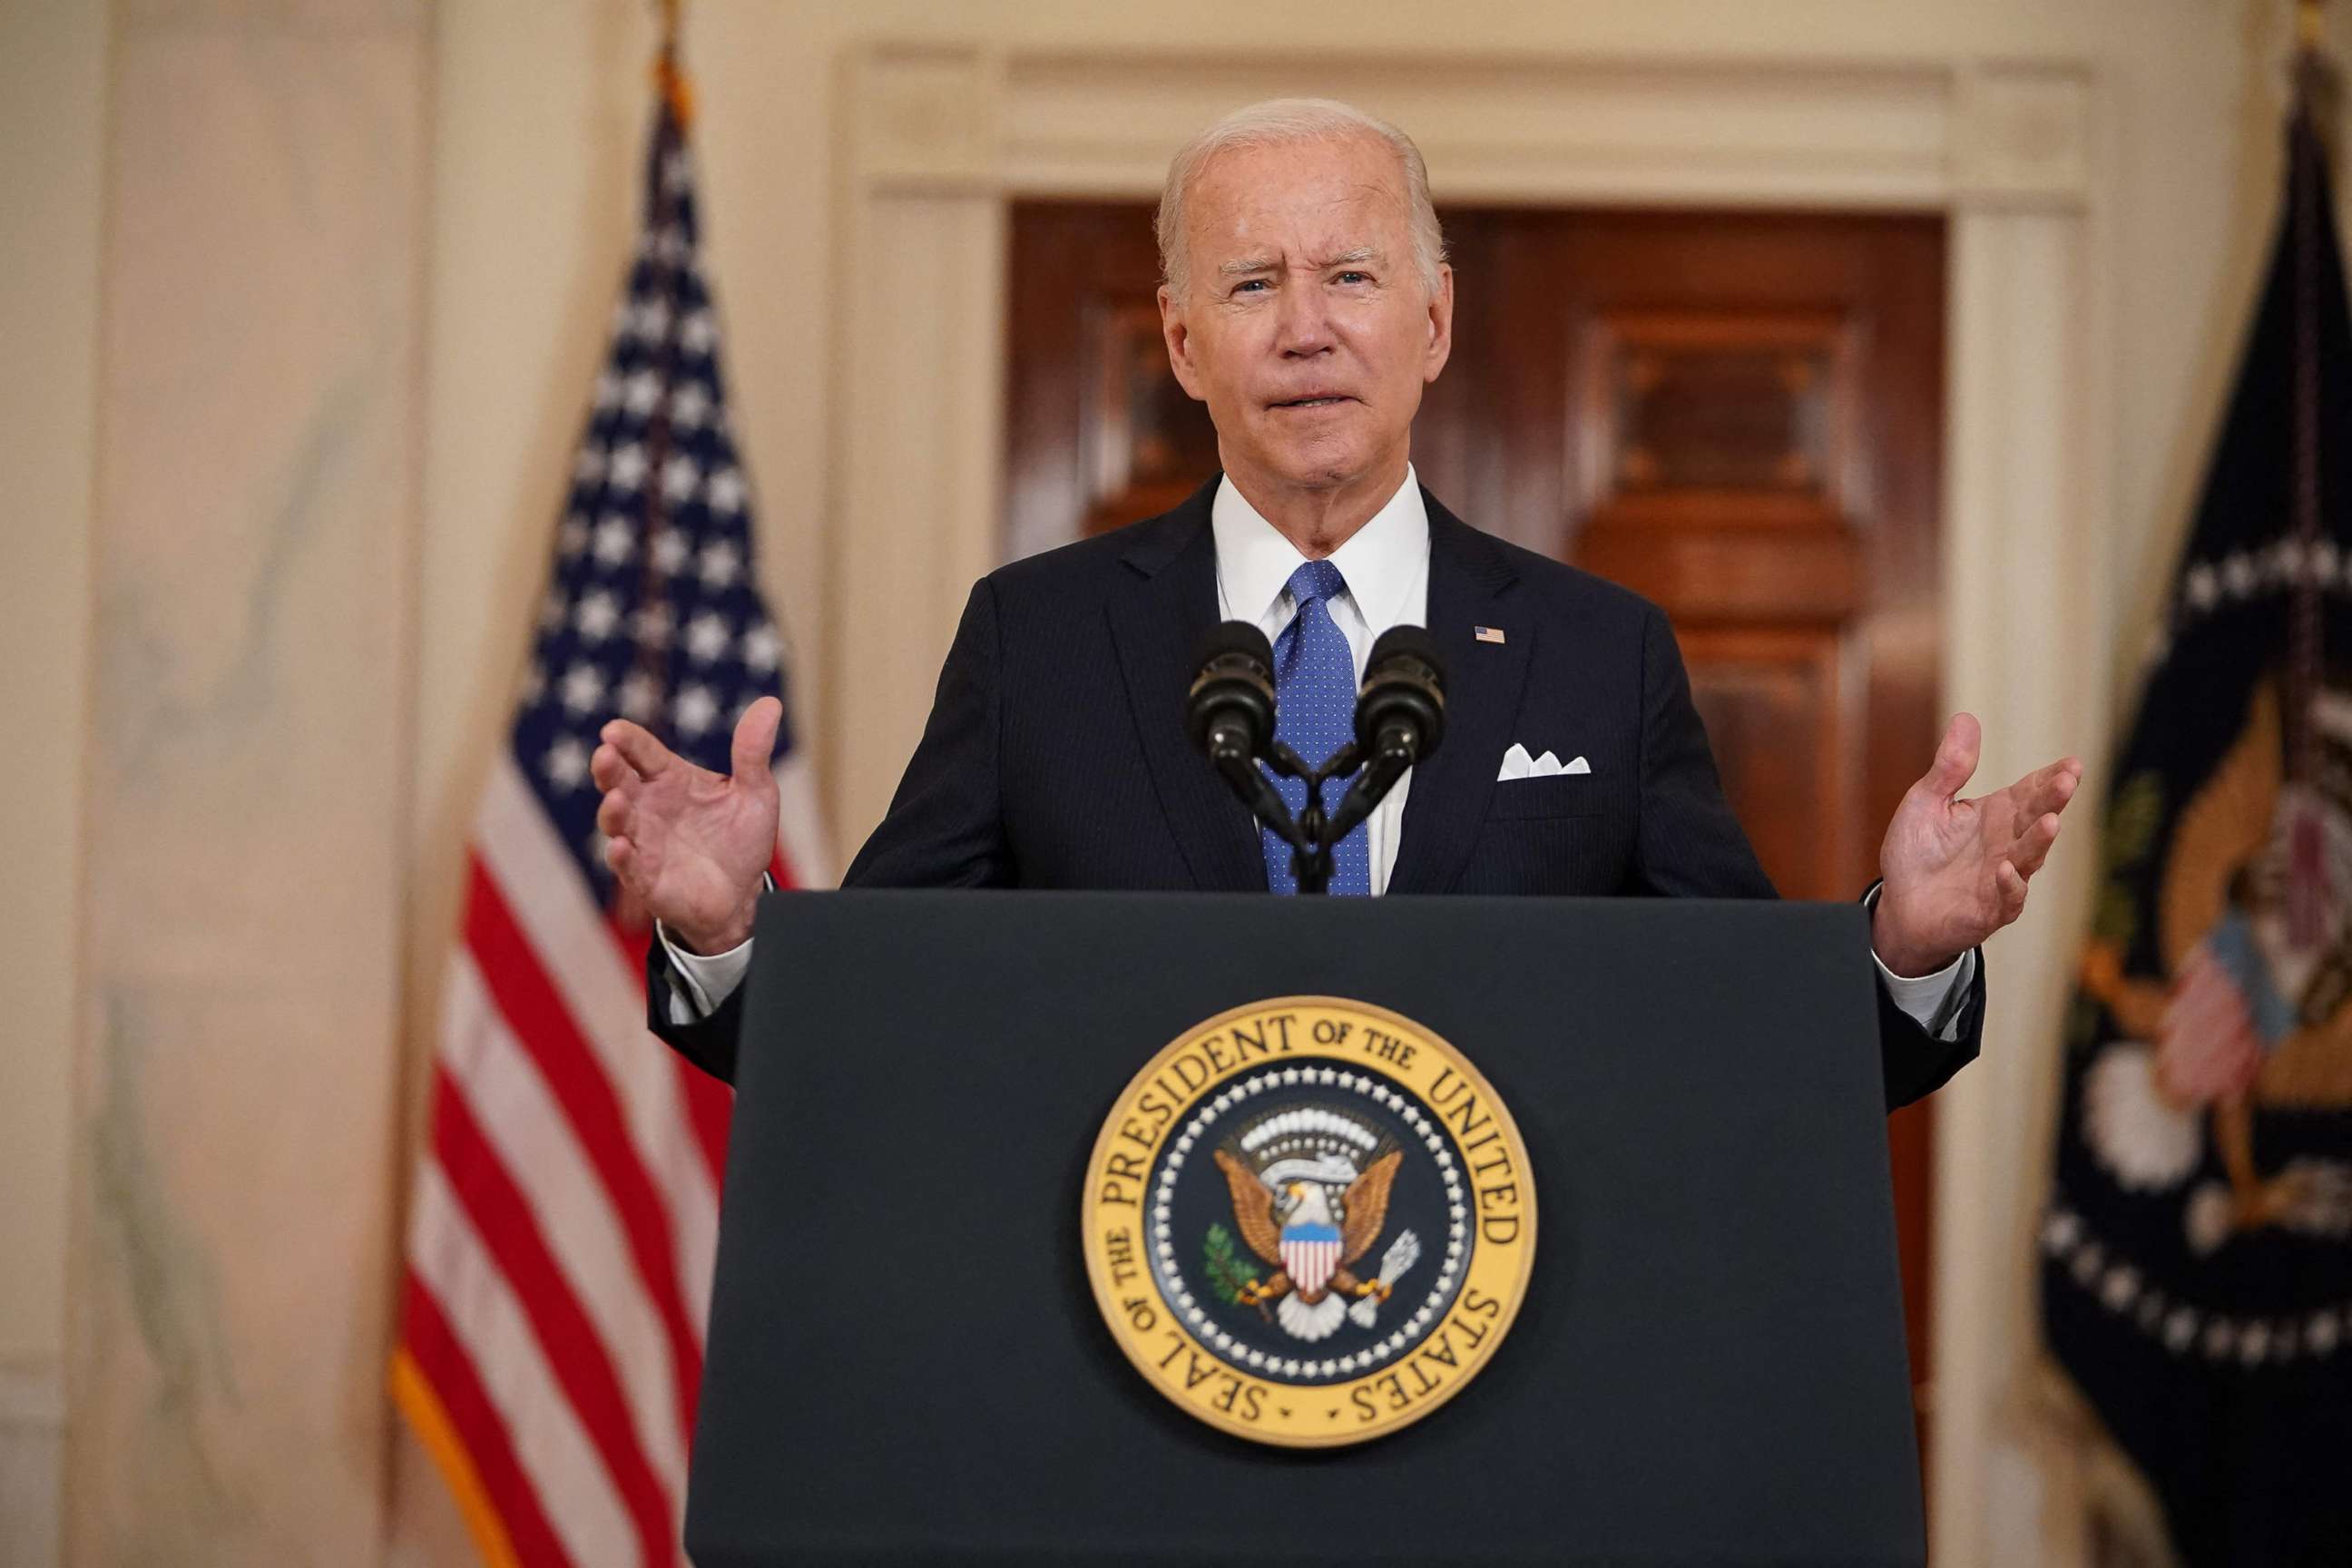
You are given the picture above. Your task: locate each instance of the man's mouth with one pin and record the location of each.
(1319, 400)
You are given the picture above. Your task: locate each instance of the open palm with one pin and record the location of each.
(1955, 870)
(689, 845)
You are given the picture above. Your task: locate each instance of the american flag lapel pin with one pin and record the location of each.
(1487, 633)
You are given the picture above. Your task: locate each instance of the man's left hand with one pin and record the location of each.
(1955, 870)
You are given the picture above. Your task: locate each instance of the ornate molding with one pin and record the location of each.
(1872, 134)
(926, 118)
(2024, 136)
(1565, 130)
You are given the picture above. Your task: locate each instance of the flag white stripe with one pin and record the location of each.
(800, 826)
(535, 1143)
(542, 884)
(549, 1443)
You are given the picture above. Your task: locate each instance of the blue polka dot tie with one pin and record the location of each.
(1315, 698)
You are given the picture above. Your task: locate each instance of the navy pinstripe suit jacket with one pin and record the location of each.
(1056, 755)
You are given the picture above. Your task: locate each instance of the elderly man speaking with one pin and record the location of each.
(1307, 301)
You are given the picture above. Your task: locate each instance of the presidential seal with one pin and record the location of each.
(1308, 1221)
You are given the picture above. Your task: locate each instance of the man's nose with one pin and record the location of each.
(1304, 327)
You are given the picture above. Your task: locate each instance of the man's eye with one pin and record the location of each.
(1247, 284)
(1353, 277)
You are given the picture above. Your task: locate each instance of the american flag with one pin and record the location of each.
(565, 1213)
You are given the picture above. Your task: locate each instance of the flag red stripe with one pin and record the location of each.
(711, 1104)
(446, 1366)
(579, 1359)
(708, 1103)
(536, 1015)
(710, 1108)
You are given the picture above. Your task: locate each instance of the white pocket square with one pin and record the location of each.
(1517, 765)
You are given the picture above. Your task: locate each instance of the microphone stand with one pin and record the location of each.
(1313, 834)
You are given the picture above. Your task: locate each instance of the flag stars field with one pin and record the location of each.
(762, 649)
(725, 492)
(627, 470)
(679, 478)
(696, 709)
(598, 616)
(584, 688)
(707, 638)
(722, 564)
(617, 541)
(567, 763)
(640, 697)
(670, 551)
(652, 626)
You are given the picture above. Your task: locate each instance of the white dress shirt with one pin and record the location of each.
(1385, 564)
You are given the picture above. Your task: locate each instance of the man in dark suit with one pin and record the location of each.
(1308, 302)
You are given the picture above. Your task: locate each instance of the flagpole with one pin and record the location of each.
(2307, 893)
(2313, 75)
(668, 75)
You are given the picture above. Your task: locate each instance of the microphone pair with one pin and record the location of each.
(1400, 719)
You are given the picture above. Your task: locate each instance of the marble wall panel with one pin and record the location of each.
(239, 1087)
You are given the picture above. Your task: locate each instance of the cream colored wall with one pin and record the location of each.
(52, 103)
(212, 396)
(448, 244)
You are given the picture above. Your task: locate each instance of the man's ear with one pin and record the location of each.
(1177, 335)
(1441, 326)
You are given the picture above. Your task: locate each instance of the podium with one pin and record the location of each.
(907, 1363)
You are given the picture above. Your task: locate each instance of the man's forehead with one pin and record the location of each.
(1307, 208)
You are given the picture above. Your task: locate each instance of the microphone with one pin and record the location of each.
(1230, 709)
(1401, 705)
(1400, 719)
(1229, 712)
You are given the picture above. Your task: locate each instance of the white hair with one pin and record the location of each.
(1284, 122)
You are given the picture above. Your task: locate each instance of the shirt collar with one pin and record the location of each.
(1379, 560)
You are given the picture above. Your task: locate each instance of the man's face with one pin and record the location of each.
(1305, 326)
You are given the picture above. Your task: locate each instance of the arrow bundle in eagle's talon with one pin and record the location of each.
(1401, 1255)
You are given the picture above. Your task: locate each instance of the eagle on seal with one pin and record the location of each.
(1291, 1226)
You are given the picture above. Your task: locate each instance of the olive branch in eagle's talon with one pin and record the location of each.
(1229, 1281)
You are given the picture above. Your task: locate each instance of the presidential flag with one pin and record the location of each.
(565, 1215)
(2196, 1280)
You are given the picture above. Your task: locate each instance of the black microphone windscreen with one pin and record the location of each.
(1408, 642)
(1232, 637)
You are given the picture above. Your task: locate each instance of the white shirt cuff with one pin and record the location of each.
(1928, 999)
(1931, 1001)
(704, 980)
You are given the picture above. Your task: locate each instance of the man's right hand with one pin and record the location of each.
(690, 845)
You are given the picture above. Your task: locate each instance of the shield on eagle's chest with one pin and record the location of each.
(1310, 1252)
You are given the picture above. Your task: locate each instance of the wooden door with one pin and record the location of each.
(1737, 415)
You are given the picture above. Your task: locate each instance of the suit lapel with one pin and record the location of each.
(1470, 576)
(1157, 615)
